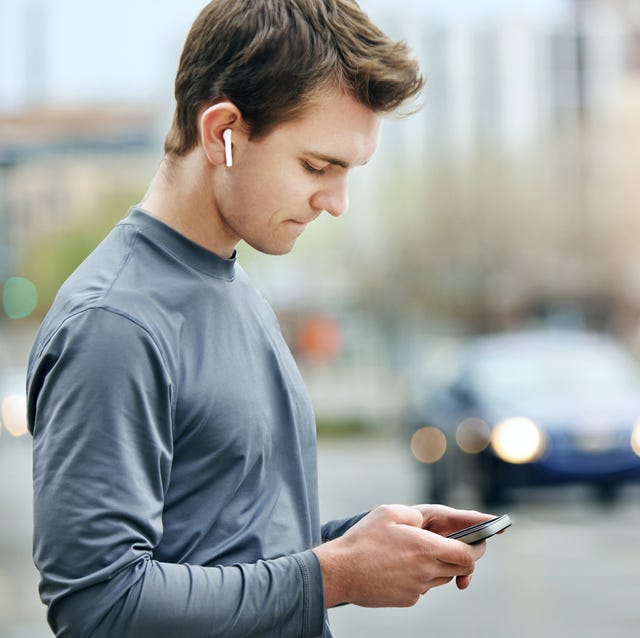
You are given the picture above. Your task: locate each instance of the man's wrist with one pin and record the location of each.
(334, 565)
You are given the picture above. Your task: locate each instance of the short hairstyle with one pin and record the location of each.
(271, 57)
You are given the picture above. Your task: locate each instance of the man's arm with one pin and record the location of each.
(101, 413)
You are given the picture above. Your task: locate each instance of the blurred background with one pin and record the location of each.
(509, 203)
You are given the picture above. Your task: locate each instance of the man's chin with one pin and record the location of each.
(282, 248)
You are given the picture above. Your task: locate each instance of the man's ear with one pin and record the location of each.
(213, 122)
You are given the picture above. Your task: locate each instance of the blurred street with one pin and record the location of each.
(21, 613)
(567, 567)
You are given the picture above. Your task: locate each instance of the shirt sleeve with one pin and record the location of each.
(100, 411)
(334, 529)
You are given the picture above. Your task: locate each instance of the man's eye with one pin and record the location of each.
(318, 172)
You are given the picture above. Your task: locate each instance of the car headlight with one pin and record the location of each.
(518, 440)
(635, 438)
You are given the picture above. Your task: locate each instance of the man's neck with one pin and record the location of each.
(181, 196)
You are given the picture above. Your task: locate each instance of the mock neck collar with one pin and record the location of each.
(186, 250)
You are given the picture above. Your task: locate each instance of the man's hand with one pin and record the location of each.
(397, 553)
(445, 520)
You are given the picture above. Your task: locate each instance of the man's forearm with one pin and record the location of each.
(171, 600)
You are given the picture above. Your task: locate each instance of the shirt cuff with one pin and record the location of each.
(313, 612)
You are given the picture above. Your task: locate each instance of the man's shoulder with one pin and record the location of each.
(99, 285)
(96, 277)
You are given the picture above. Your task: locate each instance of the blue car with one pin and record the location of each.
(532, 409)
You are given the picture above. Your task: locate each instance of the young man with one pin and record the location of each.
(174, 442)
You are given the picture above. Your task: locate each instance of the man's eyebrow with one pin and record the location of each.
(330, 160)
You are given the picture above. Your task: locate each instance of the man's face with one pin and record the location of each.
(280, 183)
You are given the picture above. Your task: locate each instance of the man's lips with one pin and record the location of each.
(304, 222)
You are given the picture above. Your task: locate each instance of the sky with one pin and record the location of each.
(69, 52)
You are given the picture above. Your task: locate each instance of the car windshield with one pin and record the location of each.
(520, 374)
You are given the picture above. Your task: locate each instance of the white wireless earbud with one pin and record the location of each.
(228, 155)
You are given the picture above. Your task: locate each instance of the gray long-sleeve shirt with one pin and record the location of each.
(175, 481)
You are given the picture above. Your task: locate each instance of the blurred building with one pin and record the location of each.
(512, 185)
(507, 81)
(56, 164)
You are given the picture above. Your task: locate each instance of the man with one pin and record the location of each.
(174, 442)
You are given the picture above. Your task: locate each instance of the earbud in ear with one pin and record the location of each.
(227, 147)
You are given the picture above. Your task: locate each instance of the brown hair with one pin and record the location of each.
(270, 57)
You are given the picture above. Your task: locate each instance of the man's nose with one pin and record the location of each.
(334, 198)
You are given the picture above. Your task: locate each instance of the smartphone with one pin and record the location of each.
(477, 533)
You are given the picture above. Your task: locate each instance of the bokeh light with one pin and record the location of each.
(19, 297)
(428, 445)
(473, 435)
(518, 440)
(14, 414)
(635, 438)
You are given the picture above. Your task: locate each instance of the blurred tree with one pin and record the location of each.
(487, 240)
(50, 259)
